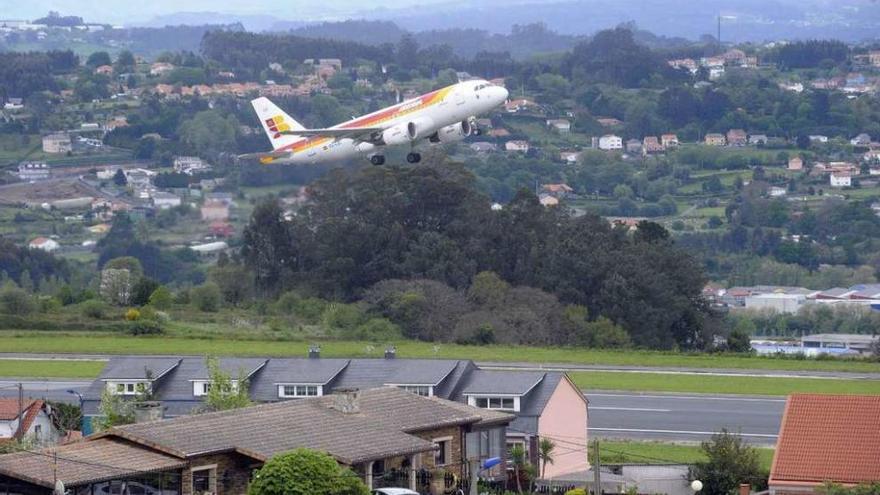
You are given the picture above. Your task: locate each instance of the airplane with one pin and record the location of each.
(442, 116)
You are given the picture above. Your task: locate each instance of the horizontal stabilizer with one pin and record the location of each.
(264, 157)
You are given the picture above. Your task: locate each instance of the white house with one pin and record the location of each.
(33, 171)
(517, 145)
(561, 126)
(33, 417)
(610, 142)
(776, 191)
(840, 180)
(44, 243)
(165, 200)
(190, 165)
(862, 139)
(569, 156)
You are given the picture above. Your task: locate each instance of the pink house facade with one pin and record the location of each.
(564, 421)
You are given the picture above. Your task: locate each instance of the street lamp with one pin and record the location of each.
(82, 416)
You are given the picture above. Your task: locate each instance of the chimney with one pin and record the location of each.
(745, 489)
(345, 400)
(147, 411)
(314, 351)
(390, 352)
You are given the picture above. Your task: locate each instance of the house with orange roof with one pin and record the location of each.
(44, 243)
(826, 438)
(31, 419)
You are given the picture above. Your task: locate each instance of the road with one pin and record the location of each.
(683, 417)
(619, 415)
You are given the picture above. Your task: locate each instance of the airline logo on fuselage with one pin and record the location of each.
(277, 125)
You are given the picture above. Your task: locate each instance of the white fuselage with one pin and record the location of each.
(413, 122)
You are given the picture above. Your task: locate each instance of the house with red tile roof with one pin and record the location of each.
(826, 438)
(37, 423)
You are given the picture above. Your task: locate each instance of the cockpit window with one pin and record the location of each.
(481, 86)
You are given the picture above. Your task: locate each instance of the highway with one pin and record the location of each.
(682, 417)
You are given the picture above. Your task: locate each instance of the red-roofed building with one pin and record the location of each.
(37, 423)
(826, 438)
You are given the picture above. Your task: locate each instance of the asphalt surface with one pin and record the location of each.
(682, 417)
(55, 390)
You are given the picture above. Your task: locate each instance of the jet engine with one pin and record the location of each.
(453, 133)
(420, 128)
(396, 135)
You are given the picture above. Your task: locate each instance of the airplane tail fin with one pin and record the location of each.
(275, 122)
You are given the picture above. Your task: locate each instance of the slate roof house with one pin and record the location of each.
(545, 404)
(386, 435)
(826, 438)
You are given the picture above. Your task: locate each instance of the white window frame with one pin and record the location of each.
(212, 478)
(129, 387)
(472, 401)
(415, 388)
(201, 387)
(447, 453)
(282, 390)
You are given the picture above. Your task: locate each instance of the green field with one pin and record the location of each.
(235, 343)
(618, 452)
(749, 385)
(50, 368)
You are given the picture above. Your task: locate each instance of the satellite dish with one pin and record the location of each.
(696, 485)
(59, 488)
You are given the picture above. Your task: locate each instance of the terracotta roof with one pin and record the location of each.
(9, 411)
(380, 429)
(85, 462)
(828, 438)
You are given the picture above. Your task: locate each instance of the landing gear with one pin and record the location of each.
(377, 159)
(413, 157)
(476, 131)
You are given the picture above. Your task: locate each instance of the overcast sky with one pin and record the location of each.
(129, 12)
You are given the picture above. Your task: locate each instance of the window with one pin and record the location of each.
(204, 480)
(38, 433)
(442, 454)
(503, 403)
(299, 391)
(423, 390)
(128, 388)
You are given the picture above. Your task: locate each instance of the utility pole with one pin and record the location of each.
(719, 31)
(474, 473)
(597, 483)
(19, 433)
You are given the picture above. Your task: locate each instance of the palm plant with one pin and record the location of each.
(546, 449)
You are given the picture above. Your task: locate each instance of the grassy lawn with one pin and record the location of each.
(50, 368)
(749, 385)
(614, 452)
(238, 344)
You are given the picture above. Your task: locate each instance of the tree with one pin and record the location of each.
(161, 298)
(68, 417)
(209, 132)
(546, 450)
(116, 284)
(305, 472)
(142, 290)
(223, 392)
(16, 301)
(125, 61)
(268, 246)
(119, 178)
(207, 297)
(97, 59)
(518, 459)
(739, 341)
(729, 462)
(113, 410)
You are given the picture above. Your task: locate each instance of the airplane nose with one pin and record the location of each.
(504, 93)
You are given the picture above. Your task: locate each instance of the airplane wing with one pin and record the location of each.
(353, 132)
(264, 157)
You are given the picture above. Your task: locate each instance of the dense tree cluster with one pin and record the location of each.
(377, 225)
(810, 54)
(18, 263)
(22, 74)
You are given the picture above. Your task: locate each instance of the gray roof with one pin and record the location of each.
(303, 371)
(501, 382)
(380, 429)
(368, 373)
(135, 368)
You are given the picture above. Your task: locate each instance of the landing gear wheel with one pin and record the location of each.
(377, 159)
(477, 131)
(413, 157)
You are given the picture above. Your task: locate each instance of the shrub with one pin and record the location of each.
(161, 298)
(305, 472)
(343, 317)
(132, 315)
(145, 327)
(93, 308)
(375, 329)
(206, 297)
(16, 301)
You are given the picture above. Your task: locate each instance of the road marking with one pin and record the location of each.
(679, 432)
(643, 409)
(686, 397)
